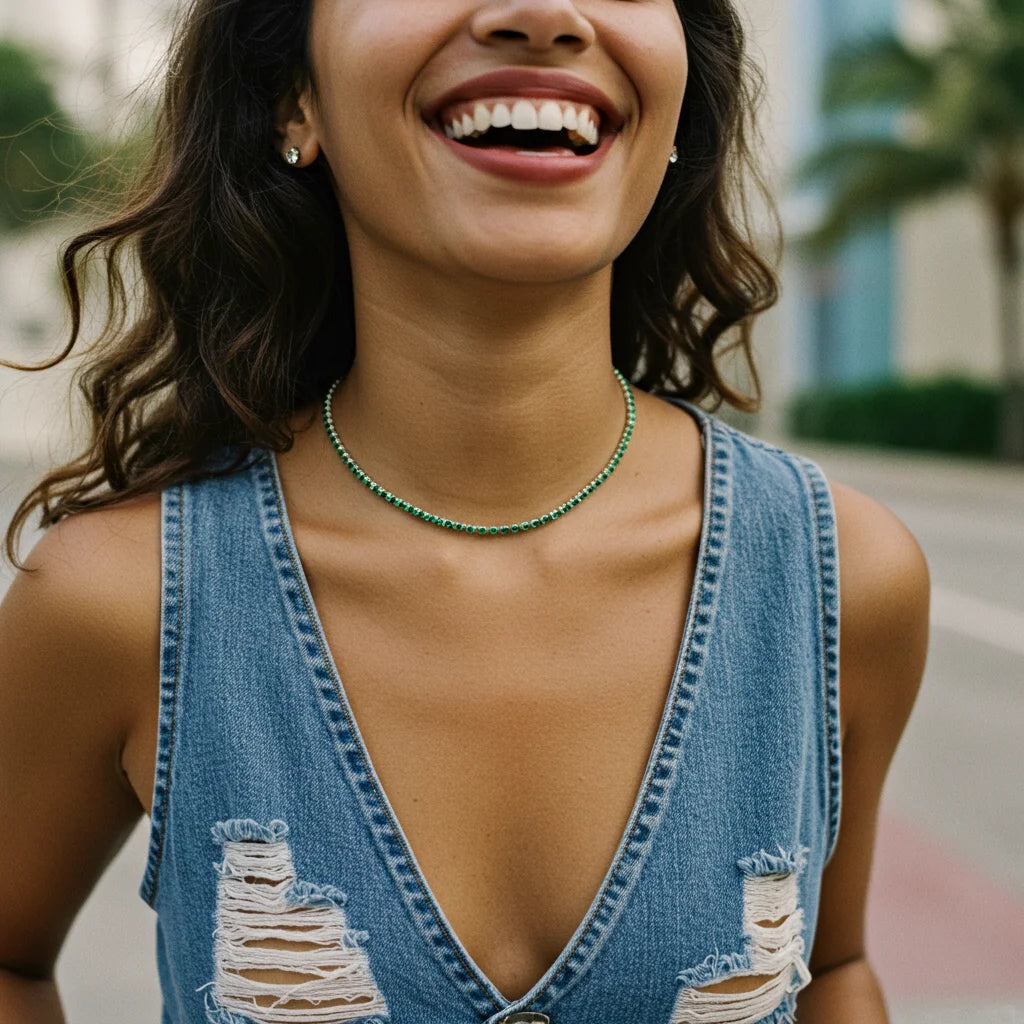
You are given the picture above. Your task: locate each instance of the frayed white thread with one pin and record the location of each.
(774, 949)
(251, 905)
(699, 1007)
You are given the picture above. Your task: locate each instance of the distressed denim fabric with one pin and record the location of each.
(267, 809)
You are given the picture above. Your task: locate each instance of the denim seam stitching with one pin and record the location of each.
(689, 667)
(268, 483)
(825, 552)
(173, 593)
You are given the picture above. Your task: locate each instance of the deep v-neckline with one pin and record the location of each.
(645, 815)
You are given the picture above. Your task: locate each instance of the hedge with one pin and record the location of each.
(947, 414)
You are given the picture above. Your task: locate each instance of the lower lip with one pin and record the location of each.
(524, 166)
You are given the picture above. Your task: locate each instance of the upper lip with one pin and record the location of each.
(538, 83)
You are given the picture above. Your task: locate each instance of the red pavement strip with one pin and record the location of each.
(937, 926)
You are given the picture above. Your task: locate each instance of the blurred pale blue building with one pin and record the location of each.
(845, 324)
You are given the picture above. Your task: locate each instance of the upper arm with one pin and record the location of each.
(80, 651)
(883, 615)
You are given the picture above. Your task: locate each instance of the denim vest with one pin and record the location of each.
(269, 820)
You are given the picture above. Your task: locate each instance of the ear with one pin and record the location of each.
(294, 125)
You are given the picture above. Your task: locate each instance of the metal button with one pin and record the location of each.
(524, 1017)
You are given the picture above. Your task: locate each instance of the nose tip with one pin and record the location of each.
(533, 24)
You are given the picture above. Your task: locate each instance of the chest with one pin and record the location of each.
(510, 732)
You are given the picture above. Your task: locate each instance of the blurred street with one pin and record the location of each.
(946, 922)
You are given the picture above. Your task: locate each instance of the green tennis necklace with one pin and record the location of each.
(484, 531)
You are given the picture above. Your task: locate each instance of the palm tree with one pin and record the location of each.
(963, 104)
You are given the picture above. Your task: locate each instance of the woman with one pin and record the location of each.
(384, 240)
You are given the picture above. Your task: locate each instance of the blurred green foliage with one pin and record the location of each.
(49, 166)
(41, 151)
(944, 414)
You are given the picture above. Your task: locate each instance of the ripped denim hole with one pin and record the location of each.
(283, 951)
(760, 983)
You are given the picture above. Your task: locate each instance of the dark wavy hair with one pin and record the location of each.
(228, 284)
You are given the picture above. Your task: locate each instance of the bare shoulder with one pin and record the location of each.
(80, 638)
(101, 535)
(91, 594)
(885, 590)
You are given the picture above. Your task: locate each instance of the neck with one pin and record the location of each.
(485, 403)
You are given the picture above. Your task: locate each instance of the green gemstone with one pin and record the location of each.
(449, 524)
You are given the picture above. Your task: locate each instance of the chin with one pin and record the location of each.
(534, 263)
(537, 250)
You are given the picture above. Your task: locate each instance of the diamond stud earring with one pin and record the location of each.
(293, 156)
(674, 155)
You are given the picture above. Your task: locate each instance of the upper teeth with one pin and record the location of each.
(475, 118)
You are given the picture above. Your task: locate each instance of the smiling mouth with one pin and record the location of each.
(524, 125)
